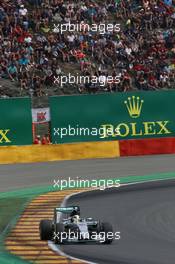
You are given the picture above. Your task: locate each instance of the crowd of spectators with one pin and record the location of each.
(34, 52)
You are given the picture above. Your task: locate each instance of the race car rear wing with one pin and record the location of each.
(69, 210)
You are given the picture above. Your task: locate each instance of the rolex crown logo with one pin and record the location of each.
(134, 106)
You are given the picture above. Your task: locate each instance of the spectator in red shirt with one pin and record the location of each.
(37, 140)
(48, 139)
(45, 140)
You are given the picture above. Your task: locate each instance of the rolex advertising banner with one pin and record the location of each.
(16, 121)
(112, 116)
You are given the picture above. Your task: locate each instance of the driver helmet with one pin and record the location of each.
(76, 219)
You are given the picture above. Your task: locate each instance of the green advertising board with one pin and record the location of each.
(16, 121)
(112, 116)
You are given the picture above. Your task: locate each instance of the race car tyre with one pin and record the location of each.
(60, 233)
(46, 231)
(108, 233)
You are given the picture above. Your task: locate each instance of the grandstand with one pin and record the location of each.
(35, 54)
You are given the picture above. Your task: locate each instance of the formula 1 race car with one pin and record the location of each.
(74, 229)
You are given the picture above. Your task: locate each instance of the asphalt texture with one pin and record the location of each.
(145, 217)
(38, 174)
(144, 214)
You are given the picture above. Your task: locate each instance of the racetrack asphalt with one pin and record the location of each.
(145, 216)
(18, 176)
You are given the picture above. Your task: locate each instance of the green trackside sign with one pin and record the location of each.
(15, 121)
(112, 116)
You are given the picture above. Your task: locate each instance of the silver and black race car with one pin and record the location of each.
(73, 228)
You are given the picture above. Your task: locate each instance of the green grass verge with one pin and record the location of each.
(10, 210)
(13, 203)
(9, 207)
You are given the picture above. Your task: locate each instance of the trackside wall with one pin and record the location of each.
(42, 153)
(147, 146)
(87, 150)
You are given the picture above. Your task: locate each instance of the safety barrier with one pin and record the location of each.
(73, 151)
(87, 150)
(147, 146)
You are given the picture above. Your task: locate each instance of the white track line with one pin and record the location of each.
(58, 250)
